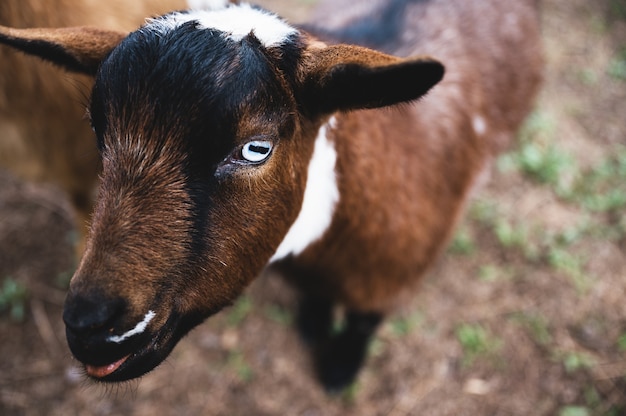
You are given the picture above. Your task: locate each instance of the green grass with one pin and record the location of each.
(598, 193)
(404, 325)
(621, 342)
(476, 342)
(617, 65)
(544, 162)
(512, 235)
(538, 156)
(572, 265)
(574, 411)
(538, 245)
(575, 361)
(602, 188)
(537, 326)
(483, 211)
(278, 314)
(463, 242)
(239, 311)
(238, 364)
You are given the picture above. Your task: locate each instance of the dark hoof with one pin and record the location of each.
(339, 361)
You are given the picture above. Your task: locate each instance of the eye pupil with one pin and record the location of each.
(259, 149)
(256, 151)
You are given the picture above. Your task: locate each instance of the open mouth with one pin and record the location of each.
(135, 364)
(140, 356)
(99, 372)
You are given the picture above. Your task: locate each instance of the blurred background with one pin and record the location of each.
(525, 314)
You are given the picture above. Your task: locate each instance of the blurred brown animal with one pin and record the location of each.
(44, 132)
(233, 142)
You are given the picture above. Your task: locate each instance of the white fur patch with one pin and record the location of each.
(479, 124)
(236, 21)
(138, 329)
(320, 199)
(207, 4)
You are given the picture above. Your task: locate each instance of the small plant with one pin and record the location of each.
(12, 298)
(603, 187)
(239, 311)
(516, 236)
(510, 236)
(493, 272)
(403, 326)
(575, 361)
(617, 66)
(237, 363)
(278, 314)
(570, 264)
(570, 235)
(483, 211)
(621, 342)
(574, 411)
(537, 326)
(538, 125)
(350, 394)
(463, 242)
(588, 76)
(544, 163)
(476, 342)
(537, 156)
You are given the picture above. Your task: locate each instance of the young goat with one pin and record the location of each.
(229, 145)
(43, 134)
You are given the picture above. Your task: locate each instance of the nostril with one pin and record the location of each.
(91, 313)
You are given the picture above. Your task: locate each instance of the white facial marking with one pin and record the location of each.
(207, 4)
(138, 329)
(479, 125)
(236, 21)
(320, 199)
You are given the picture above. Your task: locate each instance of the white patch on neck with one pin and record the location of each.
(138, 329)
(320, 199)
(236, 21)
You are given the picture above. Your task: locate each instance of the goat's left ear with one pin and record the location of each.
(345, 77)
(77, 49)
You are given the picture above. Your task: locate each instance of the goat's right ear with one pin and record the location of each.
(346, 77)
(77, 49)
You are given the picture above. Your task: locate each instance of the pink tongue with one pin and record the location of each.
(99, 372)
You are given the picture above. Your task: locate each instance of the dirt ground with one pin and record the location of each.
(496, 329)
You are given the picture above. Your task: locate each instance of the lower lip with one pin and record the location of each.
(101, 372)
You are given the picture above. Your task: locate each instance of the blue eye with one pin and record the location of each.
(256, 151)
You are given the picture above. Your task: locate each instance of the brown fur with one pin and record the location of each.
(414, 166)
(44, 134)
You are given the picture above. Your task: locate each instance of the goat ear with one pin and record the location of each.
(77, 49)
(344, 77)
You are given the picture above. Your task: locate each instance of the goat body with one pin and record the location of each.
(232, 142)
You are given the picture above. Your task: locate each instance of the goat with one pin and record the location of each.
(44, 136)
(233, 142)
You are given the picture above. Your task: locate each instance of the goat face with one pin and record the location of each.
(195, 131)
(206, 127)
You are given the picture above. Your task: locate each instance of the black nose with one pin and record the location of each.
(91, 313)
